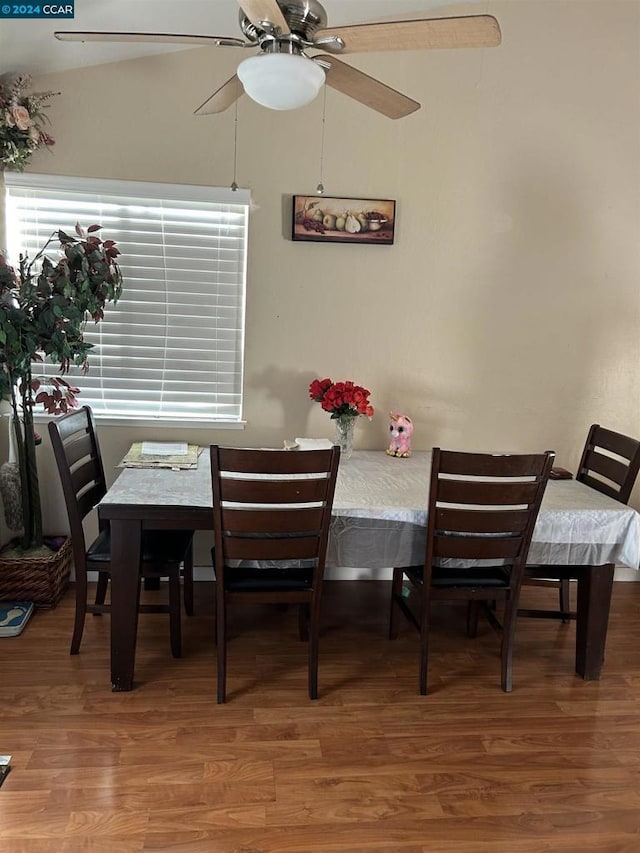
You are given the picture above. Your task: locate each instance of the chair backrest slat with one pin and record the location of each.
(85, 473)
(273, 491)
(485, 493)
(477, 547)
(270, 461)
(474, 521)
(78, 446)
(285, 548)
(620, 472)
(486, 464)
(613, 469)
(601, 486)
(88, 501)
(614, 442)
(285, 521)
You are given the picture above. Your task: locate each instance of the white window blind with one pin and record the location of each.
(172, 348)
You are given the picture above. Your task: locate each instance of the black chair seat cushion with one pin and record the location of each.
(159, 547)
(269, 579)
(449, 577)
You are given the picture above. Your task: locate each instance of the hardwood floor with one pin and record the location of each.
(371, 766)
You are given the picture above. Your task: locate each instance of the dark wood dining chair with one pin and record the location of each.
(77, 454)
(272, 510)
(609, 464)
(482, 507)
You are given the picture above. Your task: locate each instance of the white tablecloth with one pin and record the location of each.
(380, 511)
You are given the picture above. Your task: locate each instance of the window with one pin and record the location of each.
(172, 348)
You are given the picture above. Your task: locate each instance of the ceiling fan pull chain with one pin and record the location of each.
(234, 185)
(320, 187)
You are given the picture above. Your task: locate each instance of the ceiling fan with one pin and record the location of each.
(284, 76)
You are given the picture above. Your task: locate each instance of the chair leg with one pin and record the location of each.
(425, 615)
(81, 611)
(396, 592)
(565, 600)
(175, 628)
(187, 581)
(221, 631)
(303, 622)
(314, 645)
(101, 589)
(473, 612)
(508, 636)
(424, 628)
(215, 612)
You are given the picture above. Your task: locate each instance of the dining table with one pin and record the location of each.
(378, 522)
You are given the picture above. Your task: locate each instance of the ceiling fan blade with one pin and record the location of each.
(469, 31)
(222, 98)
(261, 11)
(369, 91)
(165, 38)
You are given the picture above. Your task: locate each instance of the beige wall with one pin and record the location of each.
(506, 316)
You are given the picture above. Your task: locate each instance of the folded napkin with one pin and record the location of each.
(314, 443)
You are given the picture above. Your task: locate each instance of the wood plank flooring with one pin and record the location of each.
(371, 766)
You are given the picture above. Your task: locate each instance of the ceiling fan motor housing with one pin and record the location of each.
(304, 17)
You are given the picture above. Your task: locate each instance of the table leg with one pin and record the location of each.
(125, 593)
(595, 584)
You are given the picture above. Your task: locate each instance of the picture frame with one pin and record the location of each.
(333, 219)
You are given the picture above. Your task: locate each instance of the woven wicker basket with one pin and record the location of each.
(38, 579)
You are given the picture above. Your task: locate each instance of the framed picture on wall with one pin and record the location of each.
(327, 219)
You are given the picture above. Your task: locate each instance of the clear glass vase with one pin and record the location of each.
(345, 426)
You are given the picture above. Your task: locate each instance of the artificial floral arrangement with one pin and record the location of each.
(341, 398)
(346, 401)
(44, 306)
(22, 120)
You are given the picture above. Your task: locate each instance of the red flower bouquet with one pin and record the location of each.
(341, 398)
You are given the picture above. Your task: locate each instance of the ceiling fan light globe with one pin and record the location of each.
(281, 81)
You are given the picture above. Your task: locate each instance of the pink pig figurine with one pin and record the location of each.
(401, 429)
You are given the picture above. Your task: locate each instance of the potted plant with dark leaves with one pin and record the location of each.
(45, 305)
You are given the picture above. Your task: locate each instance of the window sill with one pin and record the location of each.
(167, 423)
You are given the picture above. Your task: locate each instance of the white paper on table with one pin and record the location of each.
(314, 443)
(164, 448)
